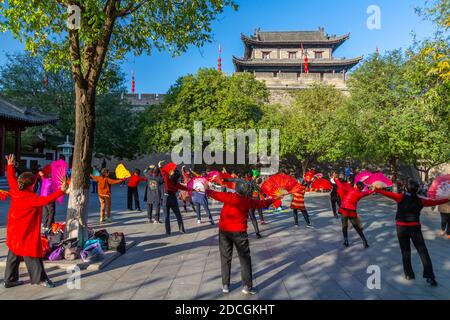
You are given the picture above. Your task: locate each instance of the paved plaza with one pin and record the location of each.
(288, 262)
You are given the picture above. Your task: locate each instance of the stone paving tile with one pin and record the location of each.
(288, 262)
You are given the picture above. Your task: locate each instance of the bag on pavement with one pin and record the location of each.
(54, 240)
(72, 253)
(57, 254)
(116, 242)
(92, 253)
(102, 243)
(104, 236)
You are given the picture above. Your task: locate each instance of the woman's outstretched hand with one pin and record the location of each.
(10, 159)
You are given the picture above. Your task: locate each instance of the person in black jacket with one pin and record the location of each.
(409, 207)
(153, 193)
(334, 197)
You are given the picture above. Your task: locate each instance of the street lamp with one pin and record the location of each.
(66, 150)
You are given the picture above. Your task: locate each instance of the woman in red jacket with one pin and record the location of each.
(133, 185)
(350, 197)
(23, 233)
(409, 207)
(233, 232)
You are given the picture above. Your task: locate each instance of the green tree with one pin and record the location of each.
(218, 101)
(438, 11)
(107, 30)
(24, 80)
(398, 112)
(302, 124)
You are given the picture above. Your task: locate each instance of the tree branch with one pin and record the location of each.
(129, 9)
(74, 43)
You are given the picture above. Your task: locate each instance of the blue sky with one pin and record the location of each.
(156, 73)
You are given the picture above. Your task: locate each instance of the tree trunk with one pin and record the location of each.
(77, 211)
(305, 164)
(394, 170)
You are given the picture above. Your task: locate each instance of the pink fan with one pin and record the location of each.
(440, 188)
(59, 174)
(213, 176)
(363, 176)
(378, 179)
(197, 183)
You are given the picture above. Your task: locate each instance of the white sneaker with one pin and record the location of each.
(199, 221)
(248, 291)
(226, 289)
(310, 226)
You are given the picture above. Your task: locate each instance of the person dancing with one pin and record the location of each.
(23, 231)
(153, 193)
(409, 229)
(133, 184)
(170, 201)
(104, 194)
(298, 203)
(184, 195)
(334, 196)
(444, 210)
(351, 197)
(233, 232)
(249, 189)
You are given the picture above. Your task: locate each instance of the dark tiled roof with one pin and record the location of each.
(291, 37)
(28, 116)
(296, 62)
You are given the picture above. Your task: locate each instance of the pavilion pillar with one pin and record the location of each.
(18, 142)
(2, 148)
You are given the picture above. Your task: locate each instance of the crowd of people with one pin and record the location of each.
(166, 187)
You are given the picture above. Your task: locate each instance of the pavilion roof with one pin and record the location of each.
(296, 62)
(25, 115)
(294, 37)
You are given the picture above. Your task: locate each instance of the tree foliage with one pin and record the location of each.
(218, 101)
(24, 80)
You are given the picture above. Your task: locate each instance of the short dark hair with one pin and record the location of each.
(412, 187)
(26, 180)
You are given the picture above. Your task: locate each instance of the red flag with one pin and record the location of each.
(219, 61)
(132, 81)
(306, 64)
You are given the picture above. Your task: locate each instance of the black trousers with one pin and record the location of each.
(49, 215)
(356, 223)
(405, 236)
(305, 216)
(252, 216)
(240, 240)
(157, 206)
(335, 203)
(170, 202)
(35, 268)
(445, 222)
(133, 193)
(260, 213)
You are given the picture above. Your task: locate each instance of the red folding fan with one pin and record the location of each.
(279, 185)
(3, 195)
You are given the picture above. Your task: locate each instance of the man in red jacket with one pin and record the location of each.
(233, 231)
(350, 197)
(23, 233)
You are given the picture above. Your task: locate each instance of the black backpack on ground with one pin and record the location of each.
(103, 235)
(116, 242)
